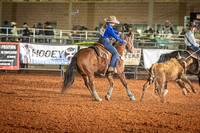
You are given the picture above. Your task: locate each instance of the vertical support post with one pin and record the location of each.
(34, 35)
(86, 35)
(70, 15)
(62, 70)
(1, 11)
(150, 13)
(60, 36)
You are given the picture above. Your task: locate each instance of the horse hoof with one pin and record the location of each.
(107, 97)
(132, 97)
(100, 99)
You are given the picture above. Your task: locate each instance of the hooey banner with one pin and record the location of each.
(46, 54)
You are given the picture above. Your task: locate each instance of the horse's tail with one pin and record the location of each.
(69, 75)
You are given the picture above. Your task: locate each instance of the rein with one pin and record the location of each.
(125, 43)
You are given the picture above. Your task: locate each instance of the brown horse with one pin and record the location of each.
(87, 62)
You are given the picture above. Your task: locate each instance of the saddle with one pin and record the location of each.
(103, 53)
(100, 50)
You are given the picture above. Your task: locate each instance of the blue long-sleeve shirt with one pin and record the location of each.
(111, 32)
(190, 36)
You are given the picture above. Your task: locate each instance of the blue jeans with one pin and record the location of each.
(195, 48)
(112, 50)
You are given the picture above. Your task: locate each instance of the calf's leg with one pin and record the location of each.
(184, 78)
(183, 86)
(146, 85)
(160, 87)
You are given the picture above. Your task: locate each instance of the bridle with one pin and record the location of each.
(126, 43)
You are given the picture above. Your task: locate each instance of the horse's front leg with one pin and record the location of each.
(110, 79)
(123, 80)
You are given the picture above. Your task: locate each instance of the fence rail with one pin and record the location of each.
(68, 37)
(58, 36)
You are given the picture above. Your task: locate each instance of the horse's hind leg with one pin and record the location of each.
(90, 85)
(110, 79)
(86, 80)
(123, 80)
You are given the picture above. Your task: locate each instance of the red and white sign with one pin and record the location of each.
(9, 56)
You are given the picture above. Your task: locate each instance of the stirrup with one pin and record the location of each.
(111, 69)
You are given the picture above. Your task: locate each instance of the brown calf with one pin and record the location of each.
(172, 70)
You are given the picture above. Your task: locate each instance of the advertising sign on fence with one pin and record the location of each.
(9, 56)
(46, 54)
(133, 58)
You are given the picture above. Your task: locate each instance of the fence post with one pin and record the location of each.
(60, 36)
(136, 72)
(33, 35)
(62, 71)
(86, 35)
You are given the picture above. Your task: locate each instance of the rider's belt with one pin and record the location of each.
(104, 38)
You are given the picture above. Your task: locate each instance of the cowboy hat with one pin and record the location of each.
(13, 23)
(112, 19)
(192, 25)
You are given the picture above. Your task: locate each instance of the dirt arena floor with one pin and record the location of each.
(32, 103)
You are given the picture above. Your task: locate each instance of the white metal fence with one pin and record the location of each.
(68, 37)
(39, 36)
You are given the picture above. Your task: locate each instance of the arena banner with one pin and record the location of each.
(46, 54)
(130, 58)
(133, 58)
(151, 56)
(9, 56)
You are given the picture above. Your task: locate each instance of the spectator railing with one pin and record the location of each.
(59, 37)
(72, 36)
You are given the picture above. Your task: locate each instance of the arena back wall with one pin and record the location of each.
(91, 14)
